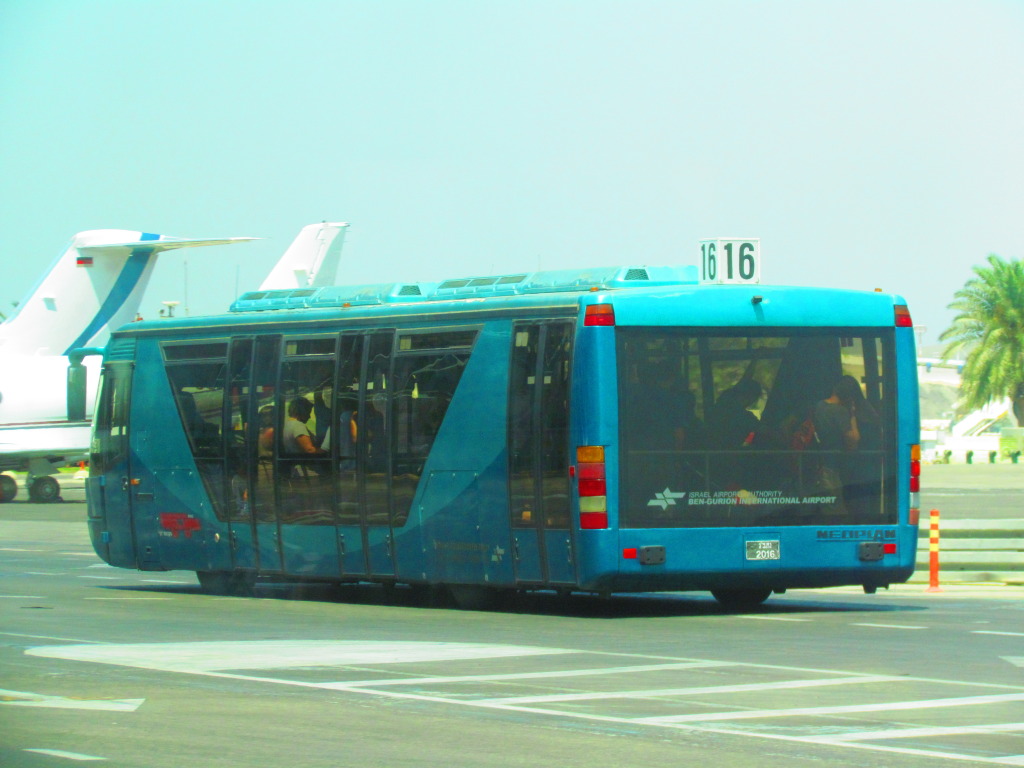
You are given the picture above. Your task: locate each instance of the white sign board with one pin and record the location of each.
(730, 260)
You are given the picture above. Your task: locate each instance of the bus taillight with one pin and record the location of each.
(915, 484)
(599, 314)
(903, 316)
(592, 487)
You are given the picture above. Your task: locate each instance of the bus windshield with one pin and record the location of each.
(766, 427)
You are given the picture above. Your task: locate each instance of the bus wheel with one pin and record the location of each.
(741, 599)
(239, 584)
(44, 490)
(8, 488)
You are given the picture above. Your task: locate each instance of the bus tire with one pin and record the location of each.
(44, 490)
(240, 584)
(741, 599)
(8, 488)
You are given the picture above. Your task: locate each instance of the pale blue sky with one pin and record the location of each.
(868, 144)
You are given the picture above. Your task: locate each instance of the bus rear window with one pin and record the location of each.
(771, 427)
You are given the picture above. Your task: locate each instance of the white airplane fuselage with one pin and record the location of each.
(33, 411)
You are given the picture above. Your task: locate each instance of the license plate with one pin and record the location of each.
(763, 550)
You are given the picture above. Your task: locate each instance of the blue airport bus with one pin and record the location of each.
(604, 431)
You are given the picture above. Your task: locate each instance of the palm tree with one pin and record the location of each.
(989, 330)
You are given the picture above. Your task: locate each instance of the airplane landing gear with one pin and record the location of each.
(44, 490)
(8, 488)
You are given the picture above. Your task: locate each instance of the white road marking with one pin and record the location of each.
(770, 618)
(658, 693)
(993, 632)
(47, 637)
(888, 626)
(1017, 660)
(915, 733)
(22, 597)
(24, 699)
(274, 654)
(886, 706)
(68, 755)
(128, 598)
(213, 659)
(557, 673)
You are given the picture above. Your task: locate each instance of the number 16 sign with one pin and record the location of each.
(730, 260)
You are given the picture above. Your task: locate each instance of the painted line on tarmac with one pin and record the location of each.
(203, 657)
(887, 626)
(26, 699)
(770, 618)
(993, 632)
(67, 755)
(213, 659)
(556, 674)
(127, 598)
(914, 733)
(843, 709)
(657, 693)
(49, 637)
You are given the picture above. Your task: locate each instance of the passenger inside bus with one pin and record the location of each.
(731, 424)
(296, 439)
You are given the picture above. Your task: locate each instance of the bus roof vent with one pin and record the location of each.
(281, 299)
(556, 281)
(495, 285)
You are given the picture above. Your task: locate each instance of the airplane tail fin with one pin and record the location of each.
(311, 260)
(95, 285)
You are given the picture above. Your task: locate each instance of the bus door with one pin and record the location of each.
(241, 453)
(538, 449)
(111, 519)
(374, 454)
(305, 472)
(266, 542)
(341, 442)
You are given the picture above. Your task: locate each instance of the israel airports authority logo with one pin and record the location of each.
(666, 499)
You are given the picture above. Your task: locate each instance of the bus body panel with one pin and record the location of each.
(460, 534)
(159, 508)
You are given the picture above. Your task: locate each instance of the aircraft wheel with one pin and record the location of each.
(44, 490)
(8, 488)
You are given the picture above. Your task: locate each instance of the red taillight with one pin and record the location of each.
(915, 484)
(592, 487)
(903, 316)
(591, 479)
(599, 314)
